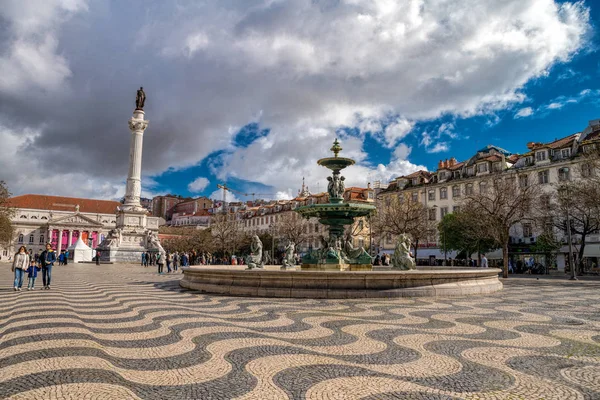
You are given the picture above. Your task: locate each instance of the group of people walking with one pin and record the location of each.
(24, 263)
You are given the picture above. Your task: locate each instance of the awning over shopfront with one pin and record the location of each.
(591, 250)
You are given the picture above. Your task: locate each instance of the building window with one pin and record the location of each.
(470, 171)
(31, 239)
(586, 170)
(563, 174)
(432, 214)
(431, 195)
(469, 189)
(457, 174)
(441, 176)
(565, 153)
(443, 193)
(21, 238)
(528, 161)
(497, 167)
(482, 167)
(455, 191)
(543, 177)
(456, 209)
(415, 181)
(41, 239)
(415, 196)
(483, 187)
(443, 211)
(540, 155)
(527, 230)
(523, 181)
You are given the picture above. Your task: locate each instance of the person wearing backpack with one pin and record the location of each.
(47, 259)
(159, 262)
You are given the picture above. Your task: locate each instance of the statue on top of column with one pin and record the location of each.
(140, 99)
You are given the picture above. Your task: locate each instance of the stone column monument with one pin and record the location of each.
(136, 231)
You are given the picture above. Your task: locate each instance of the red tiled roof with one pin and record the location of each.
(558, 143)
(59, 203)
(456, 166)
(513, 158)
(492, 158)
(416, 174)
(593, 136)
(201, 213)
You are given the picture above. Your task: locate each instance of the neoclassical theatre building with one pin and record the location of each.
(41, 219)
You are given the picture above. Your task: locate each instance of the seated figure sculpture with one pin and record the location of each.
(402, 257)
(255, 260)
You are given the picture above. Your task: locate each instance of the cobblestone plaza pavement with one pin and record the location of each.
(121, 332)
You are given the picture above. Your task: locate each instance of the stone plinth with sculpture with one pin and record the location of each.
(289, 257)
(255, 261)
(336, 251)
(136, 231)
(402, 258)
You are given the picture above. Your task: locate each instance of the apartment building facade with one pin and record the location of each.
(546, 164)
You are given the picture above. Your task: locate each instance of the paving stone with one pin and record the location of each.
(124, 332)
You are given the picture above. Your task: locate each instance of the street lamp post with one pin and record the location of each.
(445, 251)
(370, 237)
(272, 228)
(571, 261)
(444, 238)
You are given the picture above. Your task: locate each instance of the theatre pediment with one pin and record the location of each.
(75, 220)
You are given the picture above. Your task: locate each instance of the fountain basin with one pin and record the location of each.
(336, 213)
(335, 163)
(235, 281)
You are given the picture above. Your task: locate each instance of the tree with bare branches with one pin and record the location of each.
(400, 214)
(293, 227)
(226, 232)
(581, 200)
(6, 213)
(499, 204)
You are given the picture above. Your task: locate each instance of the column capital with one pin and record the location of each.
(137, 125)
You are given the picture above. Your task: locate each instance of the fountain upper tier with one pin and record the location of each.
(336, 163)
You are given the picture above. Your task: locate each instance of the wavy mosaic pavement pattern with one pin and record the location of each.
(124, 332)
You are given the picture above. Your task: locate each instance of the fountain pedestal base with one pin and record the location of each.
(337, 267)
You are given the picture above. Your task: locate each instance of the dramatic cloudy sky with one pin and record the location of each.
(253, 92)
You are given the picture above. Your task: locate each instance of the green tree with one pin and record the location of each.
(6, 214)
(547, 244)
(465, 235)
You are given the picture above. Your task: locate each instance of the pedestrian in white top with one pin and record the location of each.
(484, 261)
(20, 265)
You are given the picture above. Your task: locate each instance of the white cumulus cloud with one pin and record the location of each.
(301, 69)
(524, 112)
(198, 184)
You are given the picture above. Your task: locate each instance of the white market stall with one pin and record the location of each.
(81, 252)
